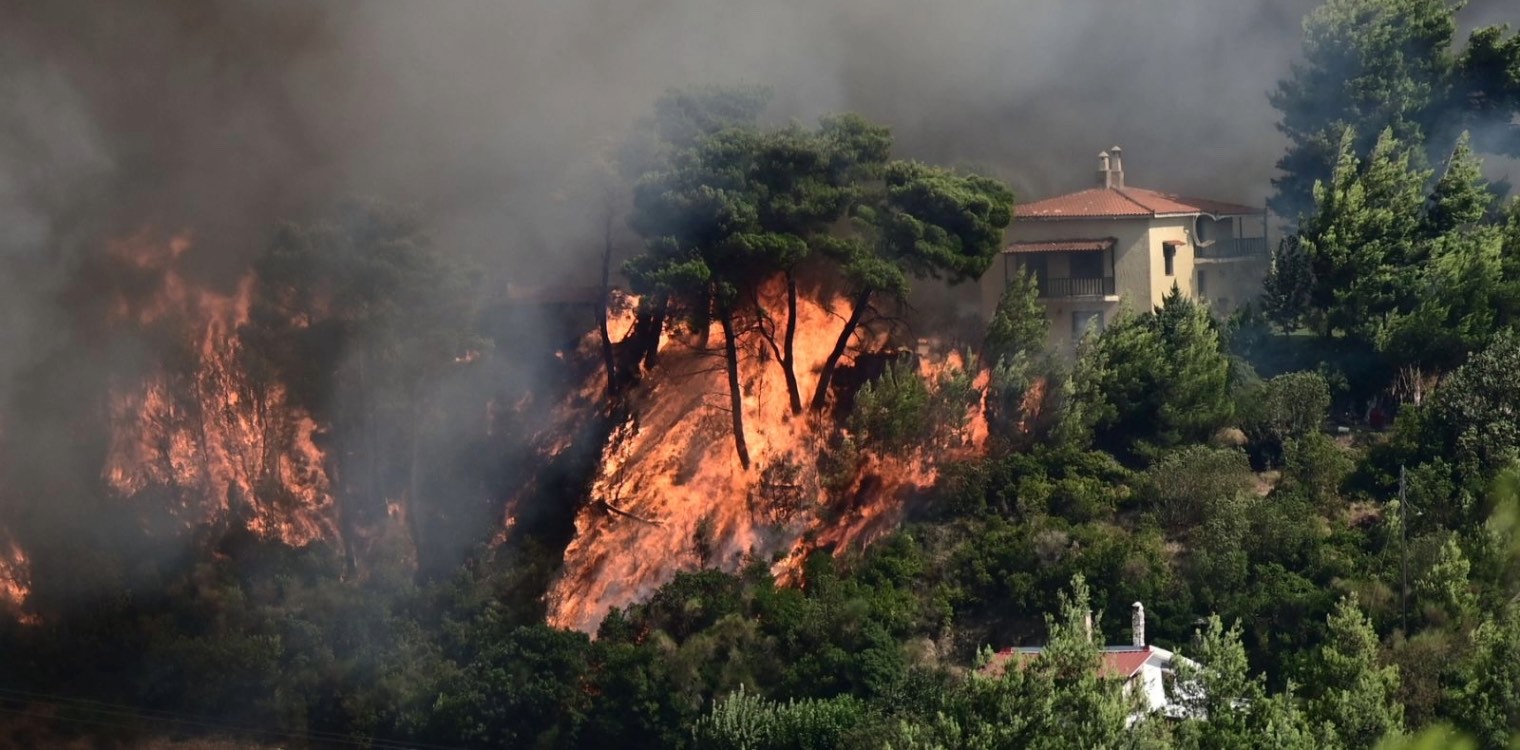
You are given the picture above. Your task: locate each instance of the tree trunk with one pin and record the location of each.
(735, 397)
(788, 361)
(414, 480)
(601, 311)
(821, 393)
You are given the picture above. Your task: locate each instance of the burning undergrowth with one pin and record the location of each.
(669, 494)
(194, 431)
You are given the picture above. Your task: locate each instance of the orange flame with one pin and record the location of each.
(670, 494)
(15, 576)
(212, 436)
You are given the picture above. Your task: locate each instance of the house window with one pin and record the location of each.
(1203, 286)
(1028, 264)
(1168, 256)
(1088, 265)
(1084, 322)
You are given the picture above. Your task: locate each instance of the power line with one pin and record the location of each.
(121, 716)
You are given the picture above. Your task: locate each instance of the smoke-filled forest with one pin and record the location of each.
(559, 375)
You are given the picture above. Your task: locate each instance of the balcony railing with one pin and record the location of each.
(1052, 287)
(1235, 247)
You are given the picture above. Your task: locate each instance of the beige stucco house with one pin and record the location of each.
(1112, 247)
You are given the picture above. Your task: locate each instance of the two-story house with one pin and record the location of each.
(1113, 246)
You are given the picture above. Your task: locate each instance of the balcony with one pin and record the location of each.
(1065, 288)
(1234, 248)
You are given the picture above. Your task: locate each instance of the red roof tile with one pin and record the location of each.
(1116, 661)
(1112, 203)
(1125, 663)
(1062, 246)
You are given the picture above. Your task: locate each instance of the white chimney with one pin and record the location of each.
(1137, 624)
(1116, 167)
(1105, 177)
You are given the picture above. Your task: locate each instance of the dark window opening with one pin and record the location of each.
(1203, 287)
(1087, 265)
(1168, 258)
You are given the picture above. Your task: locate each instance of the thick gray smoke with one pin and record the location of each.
(225, 116)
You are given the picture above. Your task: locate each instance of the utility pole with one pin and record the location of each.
(1404, 549)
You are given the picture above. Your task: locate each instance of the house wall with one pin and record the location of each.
(1139, 267)
(1131, 263)
(1163, 230)
(1232, 284)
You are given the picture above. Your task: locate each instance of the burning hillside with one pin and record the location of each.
(195, 426)
(670, 495)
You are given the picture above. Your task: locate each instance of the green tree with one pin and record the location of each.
(1153, 381)
(1485, 694)
(917, 221)
(1019, 325)
(1371, 65)
(1489, 81)
(1289, 284)
(1185, 484)
(683, 119)
(1361, 237)
(1288, 407)
(1058, 699)
(804, 183)
(746, 721)
(706, 249)
(1225, 707)
(1461, 197)
(1352, 695)
(520, 688)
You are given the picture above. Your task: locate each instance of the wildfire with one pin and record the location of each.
(15, 575)
(671, 496)
(225, 447)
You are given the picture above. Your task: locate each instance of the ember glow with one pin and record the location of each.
(222, 447)
(15, 575)
(671, 496)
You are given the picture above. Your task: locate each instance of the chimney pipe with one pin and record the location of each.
(1137, 624)
(1105, 177)
(1116, 171)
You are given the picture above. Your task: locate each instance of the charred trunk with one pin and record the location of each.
(735, 397)
(656, 327)
(601, 311)
(788, 360)
(821, 393)
(414, 479)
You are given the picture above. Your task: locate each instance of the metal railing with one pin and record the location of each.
(1064, 287)
(1235, 247)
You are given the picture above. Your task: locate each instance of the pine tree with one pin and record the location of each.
(1355, 697)
(1289, 284)
(1369, 66)
(1461, 197)
(1019, 325)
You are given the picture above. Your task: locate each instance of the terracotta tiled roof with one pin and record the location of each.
(1062, 246)
(1113, 203)
(1117, 661)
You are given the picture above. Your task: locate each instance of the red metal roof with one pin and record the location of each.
(1114, 203)
(1125, 663)
(1062, 246)
(1117, 661)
